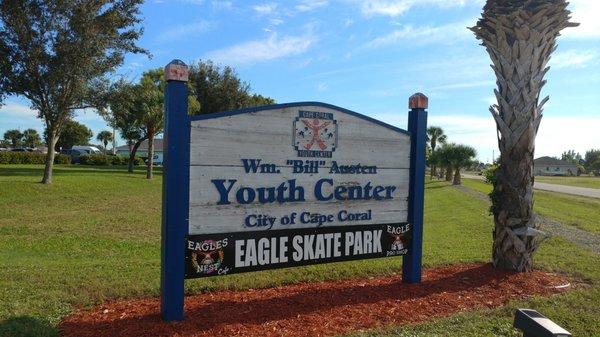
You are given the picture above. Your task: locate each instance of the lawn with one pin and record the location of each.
(571, 210)
(583, 181)
(94, 235)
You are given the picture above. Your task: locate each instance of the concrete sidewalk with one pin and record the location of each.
(573, 190)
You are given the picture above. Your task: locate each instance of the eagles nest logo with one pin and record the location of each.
(315, 134)
(207, 256)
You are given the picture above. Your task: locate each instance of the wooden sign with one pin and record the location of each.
(285, 185)
(294, 184)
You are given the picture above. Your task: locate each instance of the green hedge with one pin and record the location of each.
(105, 160)
(9, 157)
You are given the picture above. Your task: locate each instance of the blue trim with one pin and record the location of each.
(176, 199)
(411, 265)
(296, 104)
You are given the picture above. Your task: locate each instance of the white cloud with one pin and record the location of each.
(585, 12)
(463, 85)
(18, 110)
(447, 34)
(490, 100)
(322, 86)
(276, 21)
(256, 51)
(184, 31)
(576, 132)
(309, 5)
(395, 8)
(265, 8)
(222, 5)
(574, 58)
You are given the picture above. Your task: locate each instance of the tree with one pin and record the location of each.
(459, 157)
(594, 166)
(105, 137)
(120, 114)
(442, 157)
(435, 135)
(72, 133)
(591, 157)
(31, 138)
(14, 137)
(137, 111)
(150, 105)
(221, 89)
(571, 157)
(57, 53)
(433, 160)
(520, 36)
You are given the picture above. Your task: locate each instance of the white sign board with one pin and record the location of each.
(296, 167)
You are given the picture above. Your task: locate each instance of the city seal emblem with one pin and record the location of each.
(315, 134)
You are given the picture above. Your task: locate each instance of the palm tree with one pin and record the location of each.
(435, 135)
(150, 104)
(31, 138)
(459, 157)
(105, 137)
(14, 136)
(442, 157)
(519, 36)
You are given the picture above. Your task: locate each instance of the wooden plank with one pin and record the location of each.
(222, 219)
(201, 176)
(226, 140)
(219, 145)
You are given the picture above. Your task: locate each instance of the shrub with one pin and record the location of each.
(118, 160)
(95, 159)
(489, 174)
(62, 159)
(105, 160)
(9, 157)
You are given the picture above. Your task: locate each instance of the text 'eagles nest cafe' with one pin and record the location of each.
(285, 185)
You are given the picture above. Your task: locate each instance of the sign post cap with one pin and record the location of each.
(176, 70)
(418, 101)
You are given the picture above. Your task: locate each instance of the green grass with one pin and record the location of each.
(94, 235)
(583, 181)
(571, 210)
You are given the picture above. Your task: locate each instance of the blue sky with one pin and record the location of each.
(368, 56)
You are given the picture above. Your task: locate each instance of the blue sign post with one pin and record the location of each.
(285, 185)
(175, 208)
(417, 126)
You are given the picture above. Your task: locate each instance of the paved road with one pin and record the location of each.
(581, 191)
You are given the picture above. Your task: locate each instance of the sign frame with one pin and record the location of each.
(176, 182)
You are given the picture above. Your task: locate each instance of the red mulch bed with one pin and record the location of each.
(319, 309)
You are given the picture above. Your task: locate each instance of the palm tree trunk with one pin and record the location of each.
(520, 37)
(456, 180)
(150, 164)
(448, 173)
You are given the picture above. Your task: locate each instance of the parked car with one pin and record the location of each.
(75, 154)
(87, 148)
(22, 150)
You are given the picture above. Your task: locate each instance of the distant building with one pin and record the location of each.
(142, 151)
(548, 166)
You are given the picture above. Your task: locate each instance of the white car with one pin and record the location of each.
(87, 149)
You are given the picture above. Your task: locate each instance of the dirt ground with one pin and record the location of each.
(319, 309)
